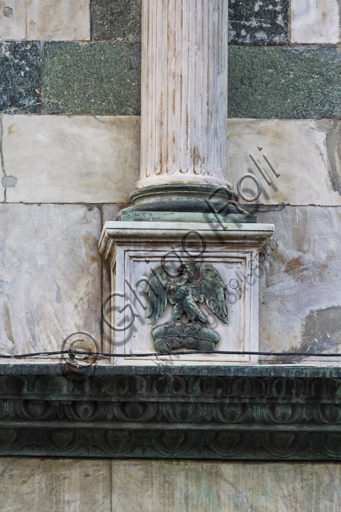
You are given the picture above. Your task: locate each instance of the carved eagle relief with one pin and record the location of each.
(184, 294)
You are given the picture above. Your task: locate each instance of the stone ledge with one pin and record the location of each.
(250, 413)
(264, 370)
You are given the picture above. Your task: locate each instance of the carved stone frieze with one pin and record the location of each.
(172, 416)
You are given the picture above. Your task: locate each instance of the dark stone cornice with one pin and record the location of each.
(245, 413)
(218, 371)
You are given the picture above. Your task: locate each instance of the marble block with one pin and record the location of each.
(315, 21)
(59, 20)
(50, 277)
(221, 258)
(12, 20)
(77, 159)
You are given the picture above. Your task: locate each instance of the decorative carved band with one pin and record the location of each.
(244, 445)
(171, 416)
(185, 388)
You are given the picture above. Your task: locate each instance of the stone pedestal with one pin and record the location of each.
(167, 295)
(225, 256)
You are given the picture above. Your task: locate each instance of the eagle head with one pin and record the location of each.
(188, 270)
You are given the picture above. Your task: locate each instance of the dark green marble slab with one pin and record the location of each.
(252, 22)
(92, 78)
(293, 83)
(264, 82)
(116, 20)
(20, 78)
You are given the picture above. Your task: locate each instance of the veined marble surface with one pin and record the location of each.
(315, 21)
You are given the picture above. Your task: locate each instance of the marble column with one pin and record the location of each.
(183, 209)
(184, 93)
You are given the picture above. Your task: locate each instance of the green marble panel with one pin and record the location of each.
(92, 78)
(116, 19)
(258, 23)
(278, 82)
(20, 83)
(250, 21)
(264, 82)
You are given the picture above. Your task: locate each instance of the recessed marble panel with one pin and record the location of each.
(138, 251)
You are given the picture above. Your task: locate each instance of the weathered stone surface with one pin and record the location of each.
(50, 275)
(305, 153)
(12, 20)
(55, 485)
(171, 486)
(284, 82)
(300, 288)
(315, 21)
(62, 21)
(20, 86)
(254, 22)
(71, 159)
(118, 19)
(110, 211)
(93, 78)
(167, 486)
(98, 158)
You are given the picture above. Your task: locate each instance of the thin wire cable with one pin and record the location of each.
(73, 353)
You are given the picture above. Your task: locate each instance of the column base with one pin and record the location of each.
(181, 179)
(182, 193)
(185, 203)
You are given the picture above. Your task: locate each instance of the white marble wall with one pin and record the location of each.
(50, 275)
(73, 159)
(305, 153)
(315, 22)
(300, 283)
(49, 262)
(70, 159)
(62, 20)
(64, 485)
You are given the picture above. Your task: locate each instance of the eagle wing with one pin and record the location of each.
(212, 290)
(157, 290)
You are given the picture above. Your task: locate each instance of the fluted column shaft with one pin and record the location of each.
(184, 92)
